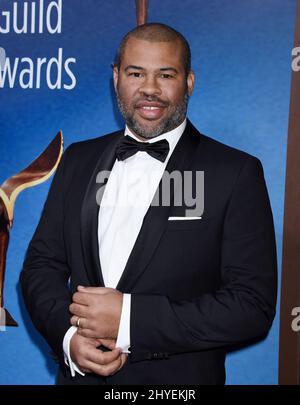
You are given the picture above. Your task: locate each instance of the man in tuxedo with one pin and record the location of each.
(127, 289)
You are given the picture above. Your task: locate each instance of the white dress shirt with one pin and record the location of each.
(128, 194)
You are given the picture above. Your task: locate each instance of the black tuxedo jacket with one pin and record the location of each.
(198, 287)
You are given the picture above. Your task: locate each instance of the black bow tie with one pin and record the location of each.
(129, 146)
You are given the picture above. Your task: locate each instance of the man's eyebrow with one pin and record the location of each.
(164, 69)
(169, 68)
(134, 67)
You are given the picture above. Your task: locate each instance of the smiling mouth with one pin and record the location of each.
(151, 108)
(151, 112)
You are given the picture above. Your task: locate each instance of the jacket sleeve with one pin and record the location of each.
(243, 307)
(45, 274)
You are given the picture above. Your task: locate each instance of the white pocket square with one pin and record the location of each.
(183, 218)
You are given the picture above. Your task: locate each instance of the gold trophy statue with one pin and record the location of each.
(37, 172)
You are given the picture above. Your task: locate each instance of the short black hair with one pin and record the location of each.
(156, 32)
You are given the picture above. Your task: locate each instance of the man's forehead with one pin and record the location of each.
(152, 51)
(133, 42)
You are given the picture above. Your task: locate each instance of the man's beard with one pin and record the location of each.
(175, 118)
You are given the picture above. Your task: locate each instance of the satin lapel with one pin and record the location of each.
(89, 215)
(155, 220)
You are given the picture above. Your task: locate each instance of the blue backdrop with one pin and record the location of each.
(241, 56)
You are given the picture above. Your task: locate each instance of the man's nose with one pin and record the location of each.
(150, 86)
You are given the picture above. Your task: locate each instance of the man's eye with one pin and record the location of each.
(135, 74)
(166, 76)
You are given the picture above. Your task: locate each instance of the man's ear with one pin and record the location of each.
(191, 82)
(115, 76)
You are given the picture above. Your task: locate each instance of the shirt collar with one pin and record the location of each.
(172, 136)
